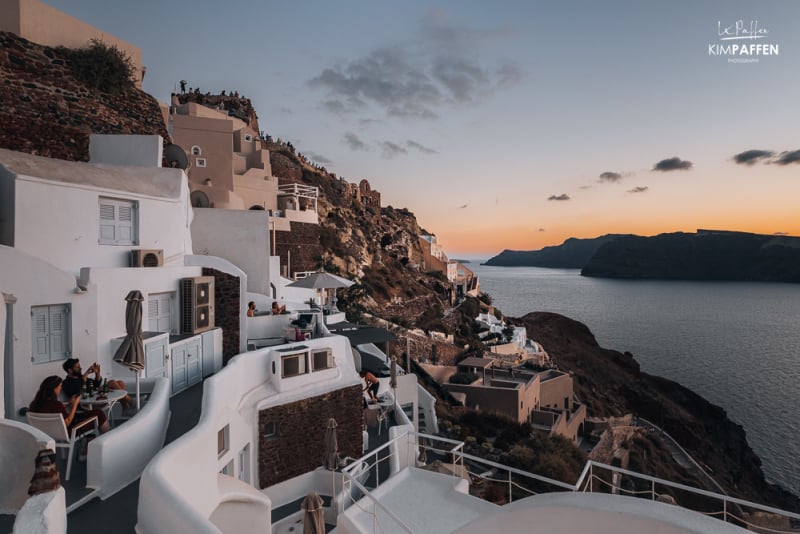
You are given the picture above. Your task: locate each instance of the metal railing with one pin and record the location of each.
(503, 484)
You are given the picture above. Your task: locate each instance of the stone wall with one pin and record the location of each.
(47, 112)
(227, 306)
(304, 245)
(299, 446)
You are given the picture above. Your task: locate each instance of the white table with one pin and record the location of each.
(106, 404)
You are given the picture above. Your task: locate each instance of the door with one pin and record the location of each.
(156, 358)
(178, 358)
(194, 361)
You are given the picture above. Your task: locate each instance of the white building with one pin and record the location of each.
(67, 232)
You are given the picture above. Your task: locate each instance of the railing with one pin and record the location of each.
(306, 191)
(503, 484)
(723, 507)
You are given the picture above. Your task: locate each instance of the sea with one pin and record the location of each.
(735, 343)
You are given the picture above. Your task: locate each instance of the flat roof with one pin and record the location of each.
(148, 181)
(476, 362)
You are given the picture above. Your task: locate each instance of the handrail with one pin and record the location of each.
(376, 502)
(516, 471)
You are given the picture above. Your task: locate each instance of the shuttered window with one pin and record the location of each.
(160, 311)
(118, 222)
(50, 331)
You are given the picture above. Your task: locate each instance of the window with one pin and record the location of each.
(228, 469)
(50, 331)
(293, 365)
(322, 359)
(271, 430)
(119, 222)
(248, 137)
(244, 464)
(160, 312)
(197, 151)
(223, 440)
(200, 162)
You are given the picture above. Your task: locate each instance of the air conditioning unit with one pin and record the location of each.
(197, 304)
(147, 258)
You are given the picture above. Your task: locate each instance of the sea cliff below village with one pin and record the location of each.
(611, 384)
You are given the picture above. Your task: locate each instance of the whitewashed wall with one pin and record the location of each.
(59, 223)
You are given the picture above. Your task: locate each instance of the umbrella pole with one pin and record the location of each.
(138, 398)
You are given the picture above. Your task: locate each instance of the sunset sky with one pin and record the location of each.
(510, 124)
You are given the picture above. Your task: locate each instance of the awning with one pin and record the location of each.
(361, 334)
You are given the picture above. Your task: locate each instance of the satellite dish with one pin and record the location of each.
(175, 157)
(199, 199)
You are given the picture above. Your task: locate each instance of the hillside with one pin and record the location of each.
(611, 384)
(705, 255)
(571, 254)
(46, 110)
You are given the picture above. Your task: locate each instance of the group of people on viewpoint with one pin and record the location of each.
(48, 397)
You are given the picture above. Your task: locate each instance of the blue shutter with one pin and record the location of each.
(40, 332)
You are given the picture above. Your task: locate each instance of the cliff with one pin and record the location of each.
(571, 254)
(47, 111)
(610, 383)
(705, 255)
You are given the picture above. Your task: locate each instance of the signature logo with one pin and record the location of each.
(740, 42)
(740, 30)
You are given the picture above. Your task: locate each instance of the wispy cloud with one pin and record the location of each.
(610, 176)
(421, 148)
(672, 164)
(391, 150)
(414, 80)
(461, 207)
(560, 197)
(353, 141)
(542, 230)
(786, 158)
(750, 157)
(638, 189)
(318, 158)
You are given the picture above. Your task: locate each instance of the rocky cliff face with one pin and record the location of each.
(571, 254)
(46, 111)
(611, 384)
(379, 246)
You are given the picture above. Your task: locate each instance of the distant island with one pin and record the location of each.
(704, 255)
(573, 253)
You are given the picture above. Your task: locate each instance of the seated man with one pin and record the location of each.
(251, 309)
(76, 378)
(277, 309)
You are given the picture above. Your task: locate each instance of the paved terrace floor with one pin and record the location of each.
(118, 512)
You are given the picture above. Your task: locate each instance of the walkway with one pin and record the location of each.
(118, 512)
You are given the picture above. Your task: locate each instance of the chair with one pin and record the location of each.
(383, 416)
(53, 425)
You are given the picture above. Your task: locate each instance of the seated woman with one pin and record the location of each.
(46, 401)
(276, 309)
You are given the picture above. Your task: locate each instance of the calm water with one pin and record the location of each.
(735, 343)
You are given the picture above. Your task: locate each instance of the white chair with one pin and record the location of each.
(53, 425)
(383, 416)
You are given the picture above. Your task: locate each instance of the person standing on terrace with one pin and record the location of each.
(372, 384)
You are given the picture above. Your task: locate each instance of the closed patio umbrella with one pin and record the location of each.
(314, 516)
(331, 461)
(131, 352)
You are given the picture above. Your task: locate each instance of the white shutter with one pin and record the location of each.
(152, 313)
(159, 312)
(118, 222)
(40, 332)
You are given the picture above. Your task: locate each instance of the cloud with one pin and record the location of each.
(317, 158)
(788, 157)
(461, 207)
(285, 110)
(413, 80)
(638, 189)
(354, 142)
(562, 196)
(421, 148)
(672, 164)
(542, 230)
(610, 176)
(781, 233)
(750, 157)
(585, 187)
(391, 150)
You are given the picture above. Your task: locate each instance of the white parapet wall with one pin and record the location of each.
(19, 445)
(117, 458)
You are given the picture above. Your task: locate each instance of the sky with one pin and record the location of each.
(509, 124)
